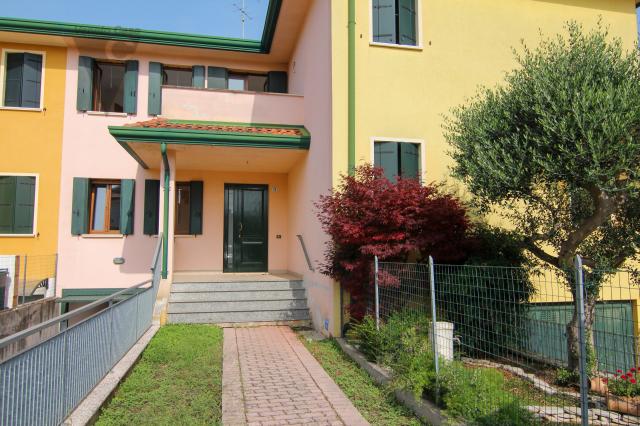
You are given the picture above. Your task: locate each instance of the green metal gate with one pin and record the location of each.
(613, 333)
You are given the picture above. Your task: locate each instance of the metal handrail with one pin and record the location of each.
(306, 254)
(157, 251)
(36, 328)
(107, 299)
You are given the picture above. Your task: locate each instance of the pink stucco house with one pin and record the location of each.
(220, 146)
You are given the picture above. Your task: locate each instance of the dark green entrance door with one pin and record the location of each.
(245, 228)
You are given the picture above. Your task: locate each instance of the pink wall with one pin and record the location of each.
(227, 105)
(205, 252)
(90, 151)
(310, 76)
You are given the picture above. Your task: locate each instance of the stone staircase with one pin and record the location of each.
(233, 302)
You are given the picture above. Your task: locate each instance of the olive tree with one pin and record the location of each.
(555, 149)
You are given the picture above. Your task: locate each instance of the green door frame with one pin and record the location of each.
(229, 247)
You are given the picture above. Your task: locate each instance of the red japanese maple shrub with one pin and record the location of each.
(367, 215)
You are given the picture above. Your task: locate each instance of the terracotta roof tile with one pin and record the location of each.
(163, 123)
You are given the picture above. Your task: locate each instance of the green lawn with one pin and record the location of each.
(376, 404)
(178, 381)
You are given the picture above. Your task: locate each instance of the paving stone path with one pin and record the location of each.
(270, 378)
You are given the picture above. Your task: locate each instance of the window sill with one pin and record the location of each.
(102, 236)
(18, 235)
(185, 236)
(396, 46)
(6, 108)
(108, 114)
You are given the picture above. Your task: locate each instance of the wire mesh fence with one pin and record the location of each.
(523, 339)
(26, 278)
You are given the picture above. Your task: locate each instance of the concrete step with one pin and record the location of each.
(236, 286)
(237, 306)
(232, 296)
(237, 317)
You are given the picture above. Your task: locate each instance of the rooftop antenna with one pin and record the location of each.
(244, 15)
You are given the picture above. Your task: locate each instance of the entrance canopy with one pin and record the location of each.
(263, 147)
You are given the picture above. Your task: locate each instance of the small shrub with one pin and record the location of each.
(566, 377)
(370, 340)
(508, 415)
(413, 362)
(472, 394)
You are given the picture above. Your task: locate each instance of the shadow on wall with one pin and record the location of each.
(137, 249)
(619, 6)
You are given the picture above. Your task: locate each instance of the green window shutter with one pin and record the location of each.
(410, 160)
(277, 82)
(80, 206)
(217, 78)
(195, 219)
(384, 21)
(127, 205)
(407, 22)
(7, 203)
(13, 81)
(155, 88)
(31, 80)
(386, 157)
(85, 83)
(131, 87)
(151, 206)
(198, 76)
(25, 204)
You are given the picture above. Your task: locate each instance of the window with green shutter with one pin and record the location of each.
(102, 206)
(17, 204)
(23, 80)
(397, 159)
(107, 86)
(395, 22)
(188, 208)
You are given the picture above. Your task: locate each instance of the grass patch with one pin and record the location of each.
(376, 404)
(177, 381)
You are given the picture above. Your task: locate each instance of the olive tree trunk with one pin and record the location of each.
(573, 336)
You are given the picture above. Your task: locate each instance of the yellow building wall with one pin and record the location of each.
(31, 142)
(404, 93)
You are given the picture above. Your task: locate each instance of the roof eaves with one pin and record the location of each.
(166, 38)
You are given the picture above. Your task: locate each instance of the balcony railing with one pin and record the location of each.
(187, 103)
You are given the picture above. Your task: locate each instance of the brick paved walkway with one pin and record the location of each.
(269, 378)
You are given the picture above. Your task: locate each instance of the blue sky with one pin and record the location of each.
(210, 17)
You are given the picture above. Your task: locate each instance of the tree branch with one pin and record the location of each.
(541, 254)
(604, 207)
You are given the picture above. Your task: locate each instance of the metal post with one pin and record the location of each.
(584, 386)
(24, 281)
(434, 336)
(375, 280)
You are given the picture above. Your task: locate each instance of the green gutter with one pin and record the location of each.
(124, 134)
(351, 138)
(165, 218)
(135, 35)
(271, 21)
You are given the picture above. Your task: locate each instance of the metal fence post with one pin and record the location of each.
(24, 281)
(584, 386)
(434, 339)
(375, 280)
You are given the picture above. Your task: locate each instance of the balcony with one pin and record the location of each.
(186, 103)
